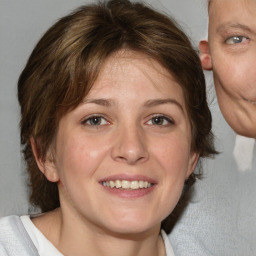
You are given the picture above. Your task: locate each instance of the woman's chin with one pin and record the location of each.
(133, 227)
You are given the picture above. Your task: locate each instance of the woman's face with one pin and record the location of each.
(122, 156)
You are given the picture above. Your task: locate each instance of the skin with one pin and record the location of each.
(142, 131)
(230, 53)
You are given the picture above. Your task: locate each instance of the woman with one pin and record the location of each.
(113, 121)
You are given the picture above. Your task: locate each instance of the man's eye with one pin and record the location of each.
(236, 40)
(160, 120)
(95, 121)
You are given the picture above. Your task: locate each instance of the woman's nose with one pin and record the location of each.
(130, 146)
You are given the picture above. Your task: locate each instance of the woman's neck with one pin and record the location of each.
(71, 237)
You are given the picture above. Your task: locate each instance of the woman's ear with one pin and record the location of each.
(47, 166)
(194, 157)
(205, 55)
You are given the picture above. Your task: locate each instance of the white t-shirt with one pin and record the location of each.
(43, 245)
(46, 248)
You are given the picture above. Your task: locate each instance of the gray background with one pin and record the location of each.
(221, 218)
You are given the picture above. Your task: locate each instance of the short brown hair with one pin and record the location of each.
(66, 61)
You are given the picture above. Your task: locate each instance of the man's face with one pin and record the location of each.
(231, 54)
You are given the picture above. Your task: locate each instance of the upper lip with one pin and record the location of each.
(129, 178)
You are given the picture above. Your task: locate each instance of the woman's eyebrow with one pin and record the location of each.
(157, 102)
(101, 102)
(148, 103)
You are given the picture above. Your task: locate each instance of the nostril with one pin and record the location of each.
(130, 159)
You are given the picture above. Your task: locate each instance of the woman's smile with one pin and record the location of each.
(127, 186)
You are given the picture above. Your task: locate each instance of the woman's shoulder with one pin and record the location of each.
(7, 219)
(14, 239)
(8, 225)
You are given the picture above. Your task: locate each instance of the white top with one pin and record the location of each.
(46, 248)
(43, 245)
(167, 244)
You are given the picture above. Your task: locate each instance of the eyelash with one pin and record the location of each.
(94, 117)
(163, 118)
(240, 39)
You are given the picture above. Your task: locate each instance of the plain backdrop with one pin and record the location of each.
(221, 218)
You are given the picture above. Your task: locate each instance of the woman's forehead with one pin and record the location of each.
(134, 75)
(128, 65)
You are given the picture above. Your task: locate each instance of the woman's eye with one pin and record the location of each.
(236, 40)
(160, 120)
(95, 121)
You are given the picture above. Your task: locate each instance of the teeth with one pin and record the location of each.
(141, 184)
(134, 185)
(118, 184)
(112, 184)
(125, 184)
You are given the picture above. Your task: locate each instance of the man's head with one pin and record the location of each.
(231, 54)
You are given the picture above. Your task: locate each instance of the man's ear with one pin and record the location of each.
(192, 163)
(47, 165)
(205, 55)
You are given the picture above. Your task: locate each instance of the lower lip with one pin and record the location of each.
(130, 193)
